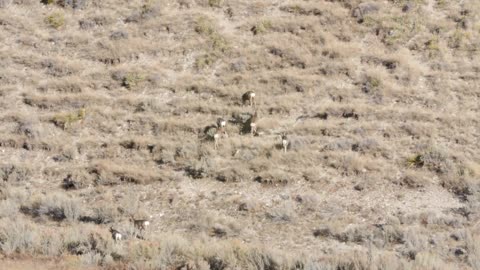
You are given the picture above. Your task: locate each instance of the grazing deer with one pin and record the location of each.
(221, 125)
(284, 142)
(253, 123)
(116, 235)
(250, 97)
(140, 224)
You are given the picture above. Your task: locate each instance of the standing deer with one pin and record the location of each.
(140, 224)
(284, 142)
(253, 123)
(116, 235)
(221, 125)
(249, 96)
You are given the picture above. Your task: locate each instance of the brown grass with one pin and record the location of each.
(107, 114)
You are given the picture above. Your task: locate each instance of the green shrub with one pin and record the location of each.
(215, 3)
(131, 80)
(48, 2)
(218, 42)
(204, 26)
(441, 3)
(432, 47)
(458, 39)
(65, 120)
(371, 85)
(415, 161)
(261, 27)
(55, 20)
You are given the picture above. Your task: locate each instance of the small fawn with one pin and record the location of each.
(249, 96)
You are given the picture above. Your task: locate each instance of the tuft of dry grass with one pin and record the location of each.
(66, 120)
(378, 99)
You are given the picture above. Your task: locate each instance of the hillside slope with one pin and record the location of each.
(107, 110)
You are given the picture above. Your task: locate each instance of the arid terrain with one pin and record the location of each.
(109, 110)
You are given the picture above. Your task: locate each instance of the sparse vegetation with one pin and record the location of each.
(261, 27)
(132, 80)
(215, 3)
(55, 20)
(108, 112)
(206, 28)
(66, 120)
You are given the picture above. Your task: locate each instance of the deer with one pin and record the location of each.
(140, 224)
(285, 142)
(253, 123)
(249, 96)
(220, 131)
(221, 125)
(116, 235)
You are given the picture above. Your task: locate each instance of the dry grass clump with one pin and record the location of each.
(17, 236)
(235, 174)
(261, 27)
(378, 100)
(57, 207)
(282, 213)
(455, 175)
(274, 176)
(109, 173)
(102, 214)
(8, 208)
(15, 173)
(75, 4)
(66, 120)
(217, 43)
(131, 80)
(216, 226)
(76, 178)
